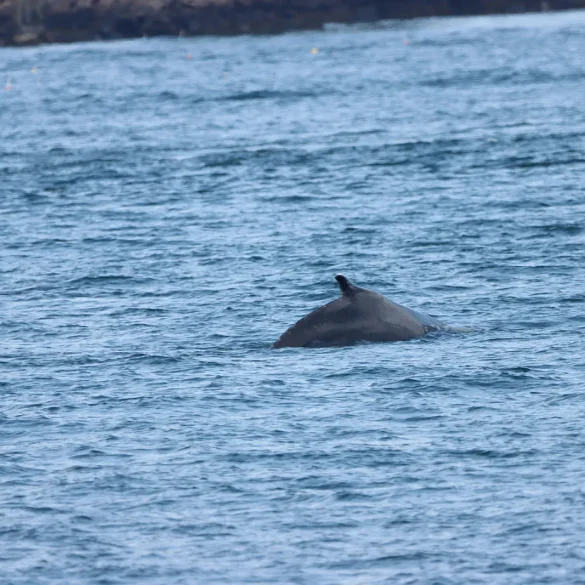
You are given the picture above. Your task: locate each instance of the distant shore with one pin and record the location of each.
(33, 22)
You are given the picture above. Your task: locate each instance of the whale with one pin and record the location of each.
(358, 315)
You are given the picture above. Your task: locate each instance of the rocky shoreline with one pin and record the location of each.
(32, 22)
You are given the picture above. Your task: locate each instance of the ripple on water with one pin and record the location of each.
(163, 220)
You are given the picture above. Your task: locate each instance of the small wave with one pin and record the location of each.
(478, 452)
(142, 311)
(108, 279)
(267, 95)
(291, 198)
(570, 229)
(490, 78)
(526, 163)
(168, 95)
(88, 453)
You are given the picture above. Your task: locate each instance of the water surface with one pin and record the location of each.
(169, 206)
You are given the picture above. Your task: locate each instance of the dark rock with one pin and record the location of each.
(25, 22)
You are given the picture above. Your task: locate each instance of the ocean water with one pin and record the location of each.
(168, 207)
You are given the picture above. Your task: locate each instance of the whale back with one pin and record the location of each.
(358, 315)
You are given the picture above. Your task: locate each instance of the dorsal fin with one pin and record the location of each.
(346, 287)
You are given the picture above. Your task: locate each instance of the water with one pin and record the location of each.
(165, 218)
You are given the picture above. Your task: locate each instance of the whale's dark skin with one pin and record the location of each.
(358, 315)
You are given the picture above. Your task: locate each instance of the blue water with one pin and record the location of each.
(164, 219)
